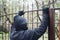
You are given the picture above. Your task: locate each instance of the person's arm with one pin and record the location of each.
(38, 32)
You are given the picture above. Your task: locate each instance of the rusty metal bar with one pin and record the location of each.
(51, 30)
(59, 24)
(59, 30)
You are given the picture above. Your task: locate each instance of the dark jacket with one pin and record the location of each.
(30, 34)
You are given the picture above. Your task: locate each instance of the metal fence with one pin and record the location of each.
(32, 13)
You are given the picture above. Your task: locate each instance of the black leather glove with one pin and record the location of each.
(45, 10)
(21, 13)
(46, 14)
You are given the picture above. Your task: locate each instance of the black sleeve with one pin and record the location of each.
(38, 32)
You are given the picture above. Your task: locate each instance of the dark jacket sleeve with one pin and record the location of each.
(38, 32)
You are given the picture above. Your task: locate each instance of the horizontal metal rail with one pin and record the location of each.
(30, 11)
(41, 10)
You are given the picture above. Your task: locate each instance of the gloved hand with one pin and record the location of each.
(45, 10)
(21, 13)
(46, 14)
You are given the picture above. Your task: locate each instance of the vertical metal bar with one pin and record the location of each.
(9, 26)
(5, 27)
(23, 6)
(32, 16)
(51, 30)
(53, 4)
(59, 24)
(37, 13)
(8, 32)
(2, 28)
(28, 13)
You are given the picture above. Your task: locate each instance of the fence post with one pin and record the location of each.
(59, 24)
(51, 30)
(59, 30)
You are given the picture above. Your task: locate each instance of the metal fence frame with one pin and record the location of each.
(51, 30)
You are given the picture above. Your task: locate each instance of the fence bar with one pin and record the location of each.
(41, 10)
(30, 11)
(51, 30)
(59, 30)
(59, 24)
